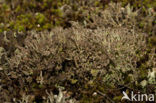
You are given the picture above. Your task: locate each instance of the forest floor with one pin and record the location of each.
(89, 61)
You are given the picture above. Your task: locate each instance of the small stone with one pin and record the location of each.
(95, 94)
(38, 25)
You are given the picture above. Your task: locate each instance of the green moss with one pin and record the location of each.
(117, 98)
(19, 27)
(18, 9)
(141, 25)
(5, 7)
(1, 30)
(41, 86)
(47, 26)
(97, 3)
(40, 18)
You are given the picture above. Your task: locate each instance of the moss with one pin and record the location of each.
(140, 3)
(47, 26)
(97, 3)
(141, 25)
(40, 18)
